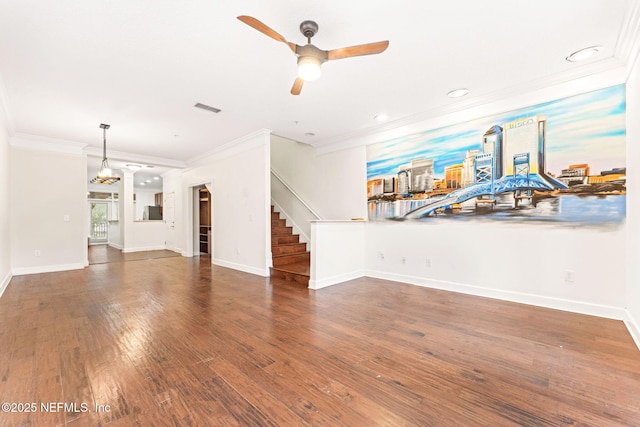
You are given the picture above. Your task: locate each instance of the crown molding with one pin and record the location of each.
(41, 143)
(600, 74)
(135, 158)
(628, 44)
(231, 148)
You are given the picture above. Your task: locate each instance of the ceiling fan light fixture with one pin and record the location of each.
(309, 68)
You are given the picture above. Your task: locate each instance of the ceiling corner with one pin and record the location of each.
(628, 44)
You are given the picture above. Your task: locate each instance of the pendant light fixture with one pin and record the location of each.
(105, 175)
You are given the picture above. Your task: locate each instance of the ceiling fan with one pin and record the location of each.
(310, 58)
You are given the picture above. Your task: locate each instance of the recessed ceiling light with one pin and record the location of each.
(457, 93)
(156, 178)
(134, 167)
(309, 134)
(147, 181)
(142, 183)
(582, 54)
(381, 117)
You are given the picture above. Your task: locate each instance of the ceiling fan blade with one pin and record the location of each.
(264, 29)
(297, 86)
(359, 50)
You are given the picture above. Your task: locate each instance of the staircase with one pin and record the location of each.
(291, 261)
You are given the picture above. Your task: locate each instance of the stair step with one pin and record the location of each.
(280, 260)
(281, 230)
(288, 248)
(291, 261)
(297, 272)
(278, 222)
(284, 238)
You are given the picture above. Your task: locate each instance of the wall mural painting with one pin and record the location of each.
(561, 161)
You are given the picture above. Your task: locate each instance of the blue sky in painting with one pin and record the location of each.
(587, 128)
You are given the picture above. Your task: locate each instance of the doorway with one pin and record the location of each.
(203, 221)
(98, 225)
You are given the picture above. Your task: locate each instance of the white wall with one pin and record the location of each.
(239, 174)
(5, 248)
(633, 203)
(114, 234)
(337, 252)
(330, 183)
(507, 261)
(52, 222)
(144, 236)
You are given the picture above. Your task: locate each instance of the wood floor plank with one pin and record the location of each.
(164, 340)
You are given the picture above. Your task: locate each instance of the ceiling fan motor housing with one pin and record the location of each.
(308, 28)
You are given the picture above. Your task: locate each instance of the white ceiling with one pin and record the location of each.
(66, 65)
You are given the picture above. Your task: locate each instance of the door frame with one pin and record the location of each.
(90, 203)
(193, 218)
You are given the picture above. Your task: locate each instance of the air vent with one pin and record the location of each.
(208, 108)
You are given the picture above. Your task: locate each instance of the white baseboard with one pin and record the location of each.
(144, 248)
(633, 326)
(334, 280)
(606, 311)
(176, 250)
(5, 283)
(241, 267)
(46, 269)
(115, 246)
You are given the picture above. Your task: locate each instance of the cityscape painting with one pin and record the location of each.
(561, 161)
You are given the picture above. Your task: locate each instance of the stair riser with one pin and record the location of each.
(277, 223)
(276, 240)
(289, 249)
(290, 277)
(291, 259)
(278, 231)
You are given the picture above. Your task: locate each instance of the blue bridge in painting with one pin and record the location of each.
(521, 184)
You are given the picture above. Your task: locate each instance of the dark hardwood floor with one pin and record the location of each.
(177, 342)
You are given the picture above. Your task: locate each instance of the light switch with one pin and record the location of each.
(66, 217)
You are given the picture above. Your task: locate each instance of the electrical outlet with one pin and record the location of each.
(403, 260)
(428, 262)
(37, 253)
(569, 276)
(381, 255)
